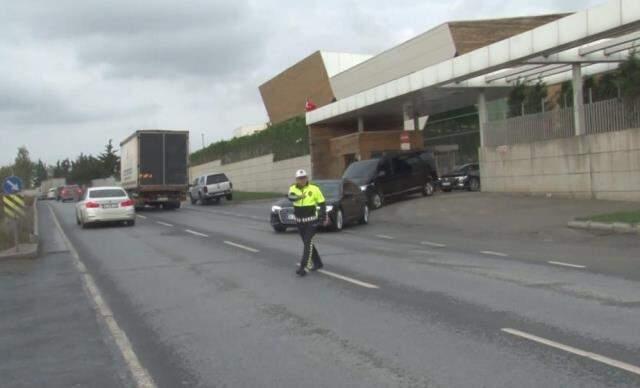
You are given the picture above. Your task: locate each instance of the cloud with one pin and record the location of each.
(77, 73)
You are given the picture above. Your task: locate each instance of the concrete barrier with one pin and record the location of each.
(597, 166)
(257, 174)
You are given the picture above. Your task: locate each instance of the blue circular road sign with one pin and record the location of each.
(12, 185)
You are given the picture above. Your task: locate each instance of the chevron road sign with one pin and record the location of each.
(13, 205)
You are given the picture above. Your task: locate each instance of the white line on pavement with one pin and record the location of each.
(493, 253)
(246, 248)
(196, 233)
(164, 223)
(433, 244)
(141, 217)
(140, 375)
(579, 352)
(384, 236)
(348, 279)
(566, 264)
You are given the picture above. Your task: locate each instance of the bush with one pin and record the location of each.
(285, 140)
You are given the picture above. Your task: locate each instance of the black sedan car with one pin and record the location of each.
(465, 177)
(346, 204)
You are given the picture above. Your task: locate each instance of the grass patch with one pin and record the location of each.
(630, 217)
(254, 195)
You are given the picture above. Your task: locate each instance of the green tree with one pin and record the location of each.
(527, 99)
(84, 169)
(40, 173)
(629, 77)
(110, 161)
(23, 167)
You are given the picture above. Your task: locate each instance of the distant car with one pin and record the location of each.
(392, 176)
(105, 204)
(465, 177)
(52, 193)
(70, 193)
(346, 204)
(210, 187)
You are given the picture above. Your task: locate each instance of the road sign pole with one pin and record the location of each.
(16, 236)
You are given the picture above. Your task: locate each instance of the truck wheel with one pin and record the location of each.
(193, 200)
(428, 189)
(200, 199)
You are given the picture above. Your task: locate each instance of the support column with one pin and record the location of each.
(360, 124)
(578, 100)
(483, 116)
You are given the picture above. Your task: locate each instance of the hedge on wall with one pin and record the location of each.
(285, 140)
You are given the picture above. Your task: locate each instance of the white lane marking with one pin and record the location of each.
(196, 233)
(140, 375)
(566, 264)
(164, 224)
(493, 253)
(246, 248)
(385, 237)
(433, 244)
(593, 356)
(348, 279)
(142, 217)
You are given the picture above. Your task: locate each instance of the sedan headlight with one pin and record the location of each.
(275, 208)
(329, 208)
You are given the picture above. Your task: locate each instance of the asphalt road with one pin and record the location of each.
(207, 297)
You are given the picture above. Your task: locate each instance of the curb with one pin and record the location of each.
(616, 227)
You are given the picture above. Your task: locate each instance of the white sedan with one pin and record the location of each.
(105, 204)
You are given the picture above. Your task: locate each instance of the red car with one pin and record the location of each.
(70, 193)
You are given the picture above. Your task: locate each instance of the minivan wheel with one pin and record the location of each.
(474, 184)
(376, 200)
(365, 215)
(339, 222)
(428, 189)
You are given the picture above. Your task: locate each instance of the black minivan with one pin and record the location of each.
(392, 176)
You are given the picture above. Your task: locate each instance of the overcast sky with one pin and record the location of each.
(74, 74)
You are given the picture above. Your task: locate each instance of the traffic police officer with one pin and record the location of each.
(310, 210)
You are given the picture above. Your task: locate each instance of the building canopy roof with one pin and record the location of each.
(597, 38)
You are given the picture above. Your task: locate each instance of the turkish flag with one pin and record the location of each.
(309, 105)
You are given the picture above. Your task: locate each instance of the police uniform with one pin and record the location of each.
(309, 209)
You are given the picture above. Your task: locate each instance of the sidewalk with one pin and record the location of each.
(50, 335)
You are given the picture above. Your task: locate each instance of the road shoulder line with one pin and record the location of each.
(140, 375)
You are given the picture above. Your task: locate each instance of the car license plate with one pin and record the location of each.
(109, 206)
(163, 199)
(446, 183)
(291, 217)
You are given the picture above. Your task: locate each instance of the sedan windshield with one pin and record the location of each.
(363, 169)
(330, 189)
(107, 193)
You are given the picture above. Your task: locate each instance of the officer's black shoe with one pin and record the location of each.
(317, 267)
(301, 272)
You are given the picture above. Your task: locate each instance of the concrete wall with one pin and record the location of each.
(600, 166)
(257, 174)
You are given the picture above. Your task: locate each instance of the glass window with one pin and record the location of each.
(401, 166)
(216, 178)
(107, 193)
(361, 170)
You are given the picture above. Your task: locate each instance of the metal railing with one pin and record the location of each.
(602, 116)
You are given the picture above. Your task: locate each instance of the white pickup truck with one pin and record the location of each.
(210, 187)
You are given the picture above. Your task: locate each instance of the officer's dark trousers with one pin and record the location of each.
(310, 254)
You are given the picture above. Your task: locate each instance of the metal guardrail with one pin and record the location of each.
(602, 116)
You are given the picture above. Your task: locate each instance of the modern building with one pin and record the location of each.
(284, 96)
(345, 138)
(246, 130)
(582, 150)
